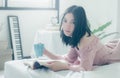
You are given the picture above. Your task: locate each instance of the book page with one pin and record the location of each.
(43, 62)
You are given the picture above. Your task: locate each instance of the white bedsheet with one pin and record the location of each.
(16, 69)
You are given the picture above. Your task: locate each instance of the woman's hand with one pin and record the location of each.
(76, 68)
(57, 65)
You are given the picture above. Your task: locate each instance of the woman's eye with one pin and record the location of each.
(74, 22)
(70, 22)
(64, 20)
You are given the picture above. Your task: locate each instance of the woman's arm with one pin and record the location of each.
(63, 65)
(58, 65)
(84, 64)
(86, 61)
(70, 57)
(70, 62)
(51, 55)
(76, 68)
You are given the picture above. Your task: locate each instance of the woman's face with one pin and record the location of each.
(68, 24)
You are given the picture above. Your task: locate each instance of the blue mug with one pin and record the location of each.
(39, 48)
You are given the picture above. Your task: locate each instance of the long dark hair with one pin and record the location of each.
(80, 23)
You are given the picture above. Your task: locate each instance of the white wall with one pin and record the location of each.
(118, 19)
(98, 12)
(30, 22)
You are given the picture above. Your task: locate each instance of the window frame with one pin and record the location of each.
(6, 7)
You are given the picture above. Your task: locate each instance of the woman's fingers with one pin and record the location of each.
(50, 63)
(77, 62)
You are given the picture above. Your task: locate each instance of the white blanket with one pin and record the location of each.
(16, 69)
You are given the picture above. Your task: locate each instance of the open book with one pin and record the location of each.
(38, 63)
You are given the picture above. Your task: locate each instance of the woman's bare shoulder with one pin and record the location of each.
(90, 38)
(87, 40)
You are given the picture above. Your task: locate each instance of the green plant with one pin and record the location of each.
(100, 30)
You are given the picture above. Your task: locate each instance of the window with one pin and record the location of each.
(2, 3)
(29, 4)
(32, 3)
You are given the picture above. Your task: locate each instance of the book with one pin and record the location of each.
(38, 63)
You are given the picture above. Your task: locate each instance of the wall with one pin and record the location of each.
(118, 19)
(98, 12)
(30, 21)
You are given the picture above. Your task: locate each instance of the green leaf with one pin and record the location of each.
(102, 27)
(101, 33)
(109, 34)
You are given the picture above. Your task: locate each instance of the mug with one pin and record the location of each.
(39, 48)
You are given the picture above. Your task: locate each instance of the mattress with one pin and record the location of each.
(16, 69)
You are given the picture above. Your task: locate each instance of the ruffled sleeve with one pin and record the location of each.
(71, 56)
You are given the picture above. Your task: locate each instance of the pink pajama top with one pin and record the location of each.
(95, 53)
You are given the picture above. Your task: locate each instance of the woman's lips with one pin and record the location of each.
(67, 31)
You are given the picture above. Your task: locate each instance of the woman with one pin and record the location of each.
(86, 49)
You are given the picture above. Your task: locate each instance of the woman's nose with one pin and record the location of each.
(68, 24)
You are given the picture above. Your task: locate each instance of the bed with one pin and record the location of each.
(16, 69)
